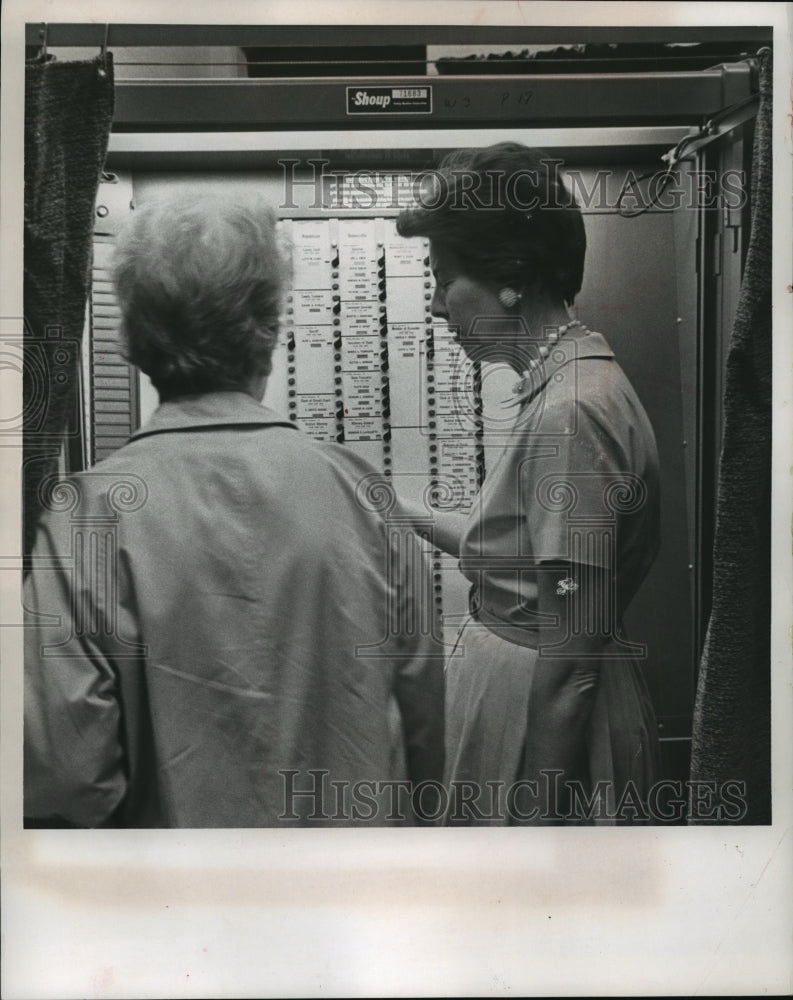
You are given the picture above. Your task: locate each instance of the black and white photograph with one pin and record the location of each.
(396, 459)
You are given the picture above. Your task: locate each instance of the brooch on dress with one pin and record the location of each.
(566, 586)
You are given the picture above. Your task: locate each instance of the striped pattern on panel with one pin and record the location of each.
(114, 409)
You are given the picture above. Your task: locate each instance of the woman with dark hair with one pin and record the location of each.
(547, 712)
(210, 641)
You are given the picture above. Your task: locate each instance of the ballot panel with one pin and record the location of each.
(362, 362)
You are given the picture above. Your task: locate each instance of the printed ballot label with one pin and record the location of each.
(389, 100)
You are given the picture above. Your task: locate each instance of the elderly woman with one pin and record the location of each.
(548, 716)
(209, 642)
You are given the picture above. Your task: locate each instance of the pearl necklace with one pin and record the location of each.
(553, 338)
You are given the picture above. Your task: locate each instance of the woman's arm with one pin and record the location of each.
(565, 681)
(75, 770)
(443, 528)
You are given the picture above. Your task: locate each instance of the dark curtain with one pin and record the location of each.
(68, 113)
(732, 719)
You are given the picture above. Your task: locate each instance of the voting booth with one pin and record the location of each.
(659, 161)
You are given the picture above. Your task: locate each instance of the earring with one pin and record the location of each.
(508, 297)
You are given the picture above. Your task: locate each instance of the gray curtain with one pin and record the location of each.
(68, 113)
(732, 724)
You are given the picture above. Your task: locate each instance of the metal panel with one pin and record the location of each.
(631, 295)
(607, 99)
(380, 148)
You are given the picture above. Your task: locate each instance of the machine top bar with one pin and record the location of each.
(130, 35)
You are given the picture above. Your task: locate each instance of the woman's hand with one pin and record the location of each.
(442, 528)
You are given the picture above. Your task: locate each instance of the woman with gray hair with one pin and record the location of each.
(200, 287)
(210, 641)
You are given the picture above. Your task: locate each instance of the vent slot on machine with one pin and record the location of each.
(112, 392)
